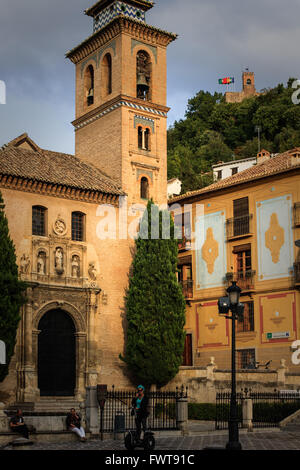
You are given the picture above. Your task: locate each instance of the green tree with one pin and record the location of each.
(11, 291)
(214, 130)
(155, 306)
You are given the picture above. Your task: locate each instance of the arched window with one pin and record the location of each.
(140, 137)
(143, 75)
(147, 139)
(78, 226)
(89, 85)
(144, 188)
(106, 76)
(143, 138)
(249, 81)
(39, 220)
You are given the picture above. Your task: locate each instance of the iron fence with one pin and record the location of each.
(223, 409)
(162, 409)
(271, 408)
(268, 408)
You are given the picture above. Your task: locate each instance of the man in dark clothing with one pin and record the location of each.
(17, 424)
(140, 404)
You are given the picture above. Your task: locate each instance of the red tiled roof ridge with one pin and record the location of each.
(56, 168)
(276, 164)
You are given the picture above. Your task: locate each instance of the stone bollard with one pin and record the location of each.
(92, 411)
(281, 371)
(247, 409)
(182, 415)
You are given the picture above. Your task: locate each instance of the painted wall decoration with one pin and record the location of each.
(274, 237)
(278, 317)
(210, 250)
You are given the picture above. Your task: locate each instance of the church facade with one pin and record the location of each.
(71, 216)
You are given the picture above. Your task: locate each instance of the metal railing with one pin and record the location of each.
(239, 226)
(184, 244)
(162, 409)
(187, 288)
(223, 409)
(269, 409)
(244, 279)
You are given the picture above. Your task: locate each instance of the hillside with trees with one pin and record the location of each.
(214, 130)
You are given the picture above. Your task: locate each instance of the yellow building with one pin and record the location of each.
(243, 228)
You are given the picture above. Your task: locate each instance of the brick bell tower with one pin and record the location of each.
(121, 112)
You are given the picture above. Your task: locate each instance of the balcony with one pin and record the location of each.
(187, 288)
(297, 214)
(297, 274)
(245, 280)
(238, 227)
(184, 244)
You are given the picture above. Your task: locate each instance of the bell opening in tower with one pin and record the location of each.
(143, 76)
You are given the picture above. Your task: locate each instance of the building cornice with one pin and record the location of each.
(117, 102)
(56, 190)
(118, 25)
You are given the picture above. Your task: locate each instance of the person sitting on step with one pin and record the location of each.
(74, 424)
(17, 424)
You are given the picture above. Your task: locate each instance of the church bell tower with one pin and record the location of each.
(121, 112)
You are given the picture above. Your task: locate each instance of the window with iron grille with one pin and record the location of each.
(297, 214)
(39, 220)
(78, 226)
(241, 216)
(248, 322)
(245, 358)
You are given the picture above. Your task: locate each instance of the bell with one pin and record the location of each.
(142, 81)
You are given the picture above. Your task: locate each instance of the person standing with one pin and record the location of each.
(74, 424)
(140, 404)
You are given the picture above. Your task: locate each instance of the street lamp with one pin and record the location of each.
(232, 303)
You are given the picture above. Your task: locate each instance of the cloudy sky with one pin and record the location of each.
(217, 38)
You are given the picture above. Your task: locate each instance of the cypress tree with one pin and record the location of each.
(155, 306)
(11, 291)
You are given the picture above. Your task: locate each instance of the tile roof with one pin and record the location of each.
(54, 167)
(278, 164)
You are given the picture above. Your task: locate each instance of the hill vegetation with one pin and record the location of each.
(214, 130)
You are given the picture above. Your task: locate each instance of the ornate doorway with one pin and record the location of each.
(56, 354)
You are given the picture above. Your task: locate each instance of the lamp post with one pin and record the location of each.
(233, 304)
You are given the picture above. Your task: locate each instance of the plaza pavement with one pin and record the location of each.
(262, 440)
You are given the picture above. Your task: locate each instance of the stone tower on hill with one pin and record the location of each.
(248, 79)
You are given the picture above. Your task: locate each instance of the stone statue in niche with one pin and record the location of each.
(59, 260)
(41, 263)
(24, 264)
(75, 266)
(92, 271)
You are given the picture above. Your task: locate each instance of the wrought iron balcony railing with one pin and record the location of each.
(245, 280)
(239, 226)
(187, 288)
(184, 244)
(297, 273)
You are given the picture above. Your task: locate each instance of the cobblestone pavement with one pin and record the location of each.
(251, 441)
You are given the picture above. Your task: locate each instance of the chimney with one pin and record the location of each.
(263, 156)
